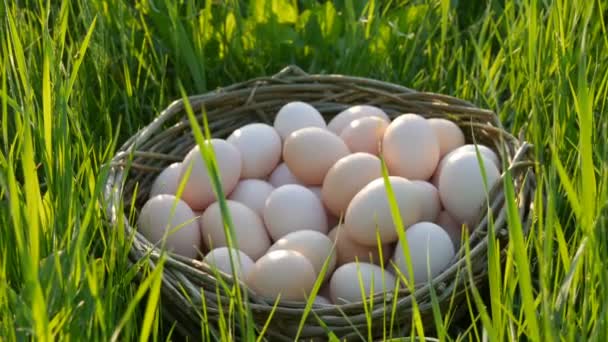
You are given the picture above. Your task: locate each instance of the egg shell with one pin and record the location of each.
(410, 147)
(311, 152)
(449, 135)
(296, 115)
(281, 175)
(346, 178)
(369, 211)
(345, 117)
(291, 208)
(461, 185)
(349, 250)
(484, 150)
(454, 230)
(430, 205)
(167, 181)
(315, 246)
(252, 193)
(220, 259)
(365, 134)
(260, 148)
(426, 242)
(198, 190)
(283, 272)
(346, 283)
(166, 214)
(250, 236)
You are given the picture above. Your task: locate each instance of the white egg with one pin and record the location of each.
(166, 215)
(461, 185)
(348, 280)
(430, 205)
(282, 176)
(260, 147)
(448, 133)
(410, 147)
(252, 193)
(249, 233)
(454, 230)
(292, 207)
(345, 117)
(167, 181)
(322, 301)
(484, 150)
(315, 246)
(430, 249)
(220, 259)
(283, 272)
(369, 211)
(296, 115)
(198, 191)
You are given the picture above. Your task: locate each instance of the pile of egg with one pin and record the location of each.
(306, 197)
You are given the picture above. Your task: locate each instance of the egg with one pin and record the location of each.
(167, 181)
(449, 135)
(296, 115)
(220, 259)
(252, 193)
(365, 134)
(198, 190)
(484, 150)
(250, 236)
(166, 214)
(322, 301)
(369, 211)
(346, 178)
(430, 249)
(410, 147)
(430, 205)
(349, 279)
(260, 148)
(281, 175)
(348, 250)
(345, 117)
(454, 230)
(310, 153)
(461, 186)
(315, 246)
(331, 219)
(292, 207)
(283, 272)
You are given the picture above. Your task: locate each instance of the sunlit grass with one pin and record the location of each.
(78, 78)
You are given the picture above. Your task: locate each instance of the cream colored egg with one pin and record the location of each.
(283, 272)
(345, 117)
(369, 211)
(461, 185)
(448, 133)
(260, 147)
(167, 181)
(249, 233)
(348, 280)
(220, 259)
(198, 191)
(430, 205)
(281, 175)
(252, 193)
(365, 134)
(431, 251)
(454, 230)
(410, 147)
(346, 178)
(297, 115)
(165, 215)
(315, 246)
(348, 250)
(291, 208)
(311, 152)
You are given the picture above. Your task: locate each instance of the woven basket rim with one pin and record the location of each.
(129, 157)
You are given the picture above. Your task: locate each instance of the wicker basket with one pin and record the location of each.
(185, 281)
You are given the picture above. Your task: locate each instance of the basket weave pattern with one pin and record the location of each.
(187, 282)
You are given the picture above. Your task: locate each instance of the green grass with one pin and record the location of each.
(77, 78)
